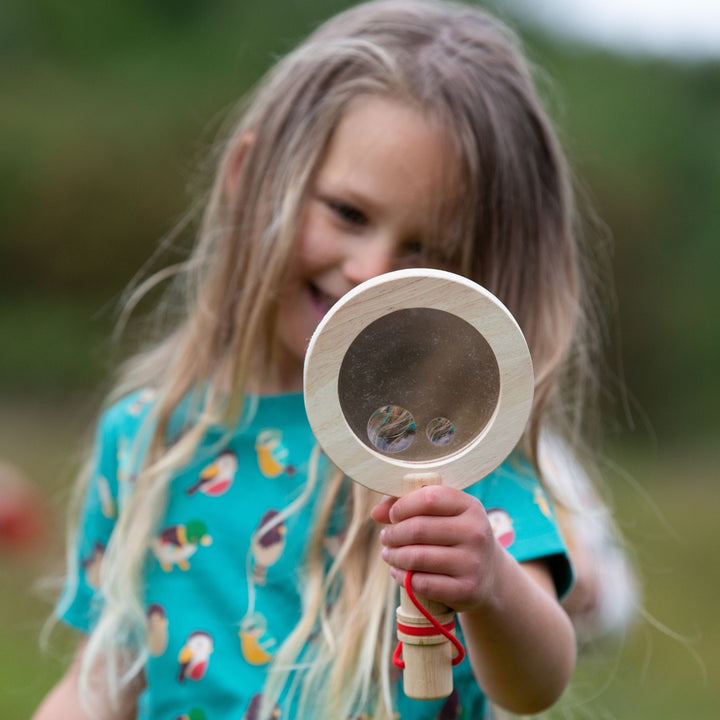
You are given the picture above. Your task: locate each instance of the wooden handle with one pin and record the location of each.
(428, 658)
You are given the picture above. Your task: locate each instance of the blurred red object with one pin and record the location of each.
(25, 516)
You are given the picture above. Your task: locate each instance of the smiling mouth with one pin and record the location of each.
(321, 301)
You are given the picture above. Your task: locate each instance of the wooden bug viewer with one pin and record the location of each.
(414, 378)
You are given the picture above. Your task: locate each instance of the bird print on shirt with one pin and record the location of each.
(194, 656)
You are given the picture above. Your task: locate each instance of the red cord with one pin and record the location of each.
(436, 629)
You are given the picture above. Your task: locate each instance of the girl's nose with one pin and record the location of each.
(369, 261)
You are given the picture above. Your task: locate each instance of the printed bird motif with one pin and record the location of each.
(145, 397)
(92, 564)
(267, 545)
(542, 502)
(194, 714)
(126, 460)
(107, 502)
(194, 656)
(156, 634)
(177, 543)
(272, 454)
(217, 477)
(254, 649)
(451, 709)
(502, 526)
(253, 709)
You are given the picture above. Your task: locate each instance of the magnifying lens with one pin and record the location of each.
(413, 378)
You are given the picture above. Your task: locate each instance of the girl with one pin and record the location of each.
(222, 569)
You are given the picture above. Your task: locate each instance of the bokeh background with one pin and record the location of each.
(107, 113)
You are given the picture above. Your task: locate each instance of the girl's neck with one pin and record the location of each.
(273, 387)
(280, 379)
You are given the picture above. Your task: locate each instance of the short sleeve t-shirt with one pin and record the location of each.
(221, 588)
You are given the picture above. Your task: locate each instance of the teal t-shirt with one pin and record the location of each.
(221, 584)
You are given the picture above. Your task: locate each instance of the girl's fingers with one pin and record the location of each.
(443, 536)
(381, 512)
(456, 593)
(427, 559)
(427, 530)
(430, 500)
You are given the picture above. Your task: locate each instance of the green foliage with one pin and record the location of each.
(52, 346)
(644, 136)
(110, 111)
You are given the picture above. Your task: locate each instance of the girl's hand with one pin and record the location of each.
(512, 622)
(444, 537)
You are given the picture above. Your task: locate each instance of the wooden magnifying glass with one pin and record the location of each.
(413, 378)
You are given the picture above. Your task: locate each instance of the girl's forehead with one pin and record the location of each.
(388, 150)
(382, 119)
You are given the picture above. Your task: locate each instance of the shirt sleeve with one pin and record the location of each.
(523, 518)
(80, 602)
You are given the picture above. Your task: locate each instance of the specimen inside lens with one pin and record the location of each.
(419, 384)
(440, 431)
(391, 429)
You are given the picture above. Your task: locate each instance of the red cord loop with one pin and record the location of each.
(436, 629)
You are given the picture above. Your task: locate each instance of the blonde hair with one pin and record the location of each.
(512, 230)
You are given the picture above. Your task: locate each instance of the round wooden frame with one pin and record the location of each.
(407, 289)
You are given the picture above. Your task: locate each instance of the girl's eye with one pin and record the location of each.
(415, 249)
(412, 254)
(421, 254)
(347, 213)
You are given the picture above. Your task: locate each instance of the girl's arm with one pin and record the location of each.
(63, 701)
(520, 642)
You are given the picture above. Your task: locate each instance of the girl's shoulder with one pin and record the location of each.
(127, 414)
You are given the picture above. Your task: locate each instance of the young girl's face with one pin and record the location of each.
(371, 207)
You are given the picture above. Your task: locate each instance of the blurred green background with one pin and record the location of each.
(107, 111)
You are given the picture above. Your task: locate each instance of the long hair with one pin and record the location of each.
(512, 230)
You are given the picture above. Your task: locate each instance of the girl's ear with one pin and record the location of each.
(235, 161)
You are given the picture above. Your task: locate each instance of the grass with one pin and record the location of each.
(668, 665)
(43, 441)
(666, 668)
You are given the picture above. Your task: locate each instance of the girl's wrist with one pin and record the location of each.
(490, 598)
